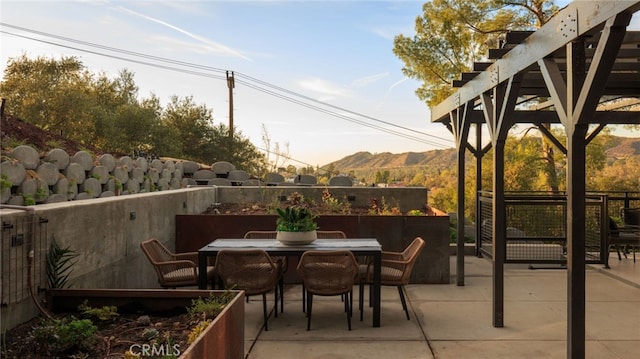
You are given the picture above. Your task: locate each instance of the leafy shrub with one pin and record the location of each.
(65, 335)
(105, 313)
(210, 307)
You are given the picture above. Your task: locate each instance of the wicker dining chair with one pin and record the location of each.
(322, 234)
(251, 270)
(395, 271)
(328, 273)
(173, 269)
(282, 261)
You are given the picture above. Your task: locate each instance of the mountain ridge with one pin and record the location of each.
(617, 148)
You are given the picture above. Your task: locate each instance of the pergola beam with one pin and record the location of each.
(577, 19)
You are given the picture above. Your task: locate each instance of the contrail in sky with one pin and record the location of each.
(193, 36)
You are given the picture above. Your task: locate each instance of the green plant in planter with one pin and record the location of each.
(105, 313)
(59, 263)
(59, 336)
(295, 219)
(209, 308)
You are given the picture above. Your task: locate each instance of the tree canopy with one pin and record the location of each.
(452, 34)
(61, 95)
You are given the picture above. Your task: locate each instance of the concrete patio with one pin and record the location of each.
(452, 322)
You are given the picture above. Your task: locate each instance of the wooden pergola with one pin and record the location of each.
(580, 70)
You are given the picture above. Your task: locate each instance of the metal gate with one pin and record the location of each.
(23, 244)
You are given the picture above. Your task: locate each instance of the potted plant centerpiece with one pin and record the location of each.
(296, 225)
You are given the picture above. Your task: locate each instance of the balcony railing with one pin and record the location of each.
(536, 225)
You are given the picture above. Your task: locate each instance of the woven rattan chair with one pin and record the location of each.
(322, 235)
(328, 273)
(173, 270)
(280, 260)
(251, 270)
(395, 271)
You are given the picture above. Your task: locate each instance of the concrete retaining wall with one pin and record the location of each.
(105, 232)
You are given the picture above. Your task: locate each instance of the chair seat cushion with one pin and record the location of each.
(390, 274)
(386, 273)
(186, 274)
(626, 238)
(179, 275)
(327, 279)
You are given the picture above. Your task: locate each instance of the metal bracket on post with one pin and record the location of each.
(494, 75)
(568, 27)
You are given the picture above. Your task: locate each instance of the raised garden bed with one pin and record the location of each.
(150, 322)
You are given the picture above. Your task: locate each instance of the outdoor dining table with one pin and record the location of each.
(369, 247)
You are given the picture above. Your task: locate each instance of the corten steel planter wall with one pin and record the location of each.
(223, 338)
(393, 232)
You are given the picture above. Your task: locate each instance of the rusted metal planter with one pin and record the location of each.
(394, 233)
(222, 339)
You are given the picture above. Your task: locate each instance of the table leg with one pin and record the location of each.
(377, 264)
(202, 270)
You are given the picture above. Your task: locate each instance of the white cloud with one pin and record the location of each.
(364, 81)
(323, 87)
(386, 34)
(214, 45)
(199, 48)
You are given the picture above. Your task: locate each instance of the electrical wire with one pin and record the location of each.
(256, 86)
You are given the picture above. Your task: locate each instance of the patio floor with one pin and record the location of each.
(452, 322)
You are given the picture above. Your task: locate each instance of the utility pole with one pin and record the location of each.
(231, 84)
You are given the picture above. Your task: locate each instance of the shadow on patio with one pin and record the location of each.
(448, 321)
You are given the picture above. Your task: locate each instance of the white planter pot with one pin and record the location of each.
(295, 238)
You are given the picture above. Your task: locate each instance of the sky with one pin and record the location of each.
(335, 52)
(318, 77)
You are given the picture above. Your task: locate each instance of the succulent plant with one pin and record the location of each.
(295, 219)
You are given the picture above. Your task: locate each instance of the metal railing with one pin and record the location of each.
(536, 226)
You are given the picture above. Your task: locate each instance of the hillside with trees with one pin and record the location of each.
(613, 164)
(59, 103)
(104, 114)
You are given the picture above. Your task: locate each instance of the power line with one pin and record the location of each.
(248, 84)
(331, 113)
(342, 108)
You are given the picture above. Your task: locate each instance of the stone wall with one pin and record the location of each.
(28, 179)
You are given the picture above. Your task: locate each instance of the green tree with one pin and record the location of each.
(383, 176)
(62, 96)
(239, 150)
(452, 34)
(192, 126)
(197, 138)
(55, 95)
(291, 169)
